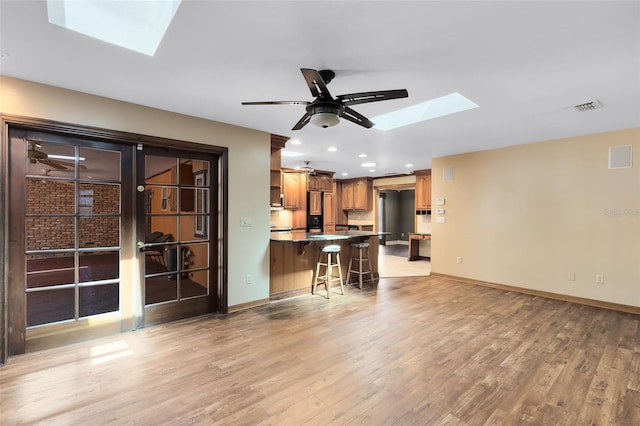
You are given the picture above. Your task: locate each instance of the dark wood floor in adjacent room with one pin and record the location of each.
(425, 351)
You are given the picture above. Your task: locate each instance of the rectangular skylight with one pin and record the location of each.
(135, 25)
(434, 108)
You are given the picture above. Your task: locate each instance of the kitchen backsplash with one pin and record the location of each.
(281, 219)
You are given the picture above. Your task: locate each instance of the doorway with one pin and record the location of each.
(106, 236)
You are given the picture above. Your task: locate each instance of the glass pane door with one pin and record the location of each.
(176, 221)
(72, 231)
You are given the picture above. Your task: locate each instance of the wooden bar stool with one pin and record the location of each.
(330, 263)
(358, 251)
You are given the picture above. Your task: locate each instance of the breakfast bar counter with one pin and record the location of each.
(293, 257)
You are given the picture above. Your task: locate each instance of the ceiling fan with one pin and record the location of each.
(37, 156)
(325, 111)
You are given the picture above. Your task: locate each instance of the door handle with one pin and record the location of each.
(142, 245)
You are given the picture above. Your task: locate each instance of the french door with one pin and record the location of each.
(174, 217)
(106, 237)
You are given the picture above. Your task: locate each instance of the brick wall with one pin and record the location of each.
(58, 197)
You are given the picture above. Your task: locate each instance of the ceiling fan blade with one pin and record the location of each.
(276, 103)
(303, 121)
(356, 117)
(54, 164)
(364, 97)
(316, 83)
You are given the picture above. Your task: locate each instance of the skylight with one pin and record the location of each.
(135, 25)
(434, 108)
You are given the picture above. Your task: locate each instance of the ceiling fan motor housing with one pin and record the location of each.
(325, 114)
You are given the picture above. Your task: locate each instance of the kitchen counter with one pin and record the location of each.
(302, 236)
(293, 256)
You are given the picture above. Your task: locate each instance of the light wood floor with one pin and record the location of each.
(413, 351)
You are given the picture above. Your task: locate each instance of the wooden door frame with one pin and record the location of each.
(114, 136)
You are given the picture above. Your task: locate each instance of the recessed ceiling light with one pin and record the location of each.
(372, 170)
(134, 25)
(295, 142)
(362, 155)
(408, 165)
(332, 149)
(345, 174)
(434, 108)
(368, 164)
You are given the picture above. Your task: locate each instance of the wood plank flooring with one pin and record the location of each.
(425, 351)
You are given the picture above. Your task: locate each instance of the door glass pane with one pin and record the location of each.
(161, 199)
(99, 164)
(98, 198)
(189, 230)
(99, 265)
(51, 269)
(99, 231)
(50, 306)
(47, 196)
(50, 159)
(99, 299)
(49, 232)
(161, 170)
(194, 283)
(161, 288)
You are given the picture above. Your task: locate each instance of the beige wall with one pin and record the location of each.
(529, 215)
(248, 186)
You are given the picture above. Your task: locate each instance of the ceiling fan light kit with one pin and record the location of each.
(326, 111)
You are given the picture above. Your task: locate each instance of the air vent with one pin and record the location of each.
(588, 106)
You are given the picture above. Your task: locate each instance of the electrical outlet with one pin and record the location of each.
(599, 278)
(248, 279)
(571, 276)
(459, 259)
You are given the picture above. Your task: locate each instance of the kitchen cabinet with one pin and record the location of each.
(329, 216)
(357, 194)
(315, 202)
(423, 189)
(277, 143)
(320, 182)
(291, 190)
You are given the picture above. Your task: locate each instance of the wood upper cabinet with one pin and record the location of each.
(423, 189)
(362, 195)
(357, 195)
(291, 190)
(315, 202)
(320, 182)
(346, 200)
(329, 216)
(277, 143)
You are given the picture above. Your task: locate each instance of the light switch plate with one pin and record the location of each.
(245, 221)
(440, 219)
(440, 201)
(440, 211)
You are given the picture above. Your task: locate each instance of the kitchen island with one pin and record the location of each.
(293, 257)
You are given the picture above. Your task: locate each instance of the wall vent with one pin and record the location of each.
(588, 106)
(620, 157)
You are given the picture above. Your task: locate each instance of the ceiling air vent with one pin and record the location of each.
(588, 106)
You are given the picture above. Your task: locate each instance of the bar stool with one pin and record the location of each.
(357, 253)
(331, 262)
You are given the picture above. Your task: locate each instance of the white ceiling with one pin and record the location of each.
(524, 63)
